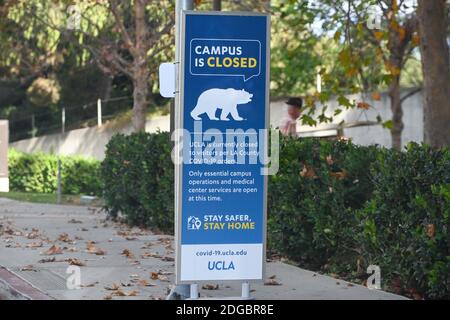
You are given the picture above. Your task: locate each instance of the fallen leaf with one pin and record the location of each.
(210, 286)
(122, 293)
(167, 258)
(272, 277)
(163, 278)
(165, 273)
(53, 250)
(363, 105)
(91, 248)
(308, 172)
(27, 268)
(340, 175)
(89, 285)
(431, 230)
(47, 260)
(64, 238)
(113, 287)
(272, 282)
(75, 262)
(154, 275)
(74, 221)
(127, 253)
(33, 234)
(330, 160)
(150, 255)
(34, 245)
(376, 96)
(145, 283)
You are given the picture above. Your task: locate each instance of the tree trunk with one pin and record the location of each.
(217, 5)
(397, 113)
(140, 69)
(140, 94)
(433, 24)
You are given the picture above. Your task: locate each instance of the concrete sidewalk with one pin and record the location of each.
(38, 242)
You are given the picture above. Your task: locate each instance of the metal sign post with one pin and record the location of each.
(4, 140)
(222, 109)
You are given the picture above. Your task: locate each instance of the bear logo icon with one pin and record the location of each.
(226, 99)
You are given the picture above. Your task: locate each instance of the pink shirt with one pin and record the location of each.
(288, 127)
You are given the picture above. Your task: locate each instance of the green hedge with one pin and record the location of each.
(38, 173)
(312, 200)
(407, 221)
(333, 206)
(138, 174)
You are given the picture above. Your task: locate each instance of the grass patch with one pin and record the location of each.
(42, 197)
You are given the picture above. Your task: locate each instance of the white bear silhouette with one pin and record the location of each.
(226, 99)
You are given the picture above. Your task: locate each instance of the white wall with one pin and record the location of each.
(91, 142)
(366, 135)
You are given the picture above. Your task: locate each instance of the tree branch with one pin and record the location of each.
(410, 94)
(123, 31)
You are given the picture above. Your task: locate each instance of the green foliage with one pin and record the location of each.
(333, 206)
(312, 200)
(38, 173)
(407, 221)
(138, 176)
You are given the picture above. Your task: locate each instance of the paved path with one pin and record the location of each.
(123, 263)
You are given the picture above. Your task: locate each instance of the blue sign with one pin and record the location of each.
(224, 101)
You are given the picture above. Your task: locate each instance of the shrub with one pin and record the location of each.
(312, 201)
(38, 173)
(138, 175)
(332, 206)
(406, 223)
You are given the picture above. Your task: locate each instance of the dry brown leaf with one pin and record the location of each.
(47, 260)
(363, 105)
(121, 293)
(64, 238)
(272, 282)
(163, 278)
(376, 96)
(74, 221)
(150, 255)
(75, 262)
(89, 285)
(431, 230)
(35, 245)
(53, 250)
(330, 160)
(308, 172)
(127, 253)
(113, 287)
(167, 258)
(339, 175)
(91, 248)
(210, 286)
(154, 275)
(145, 283)
(27, 268)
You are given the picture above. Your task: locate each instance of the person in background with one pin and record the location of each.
(288, 126)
